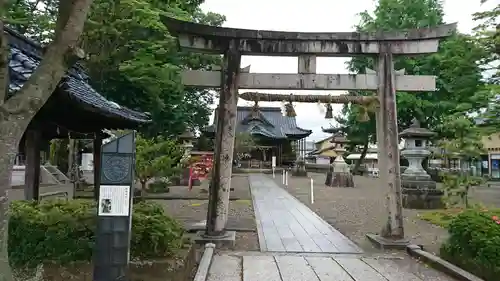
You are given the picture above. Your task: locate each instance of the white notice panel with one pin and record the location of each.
(274, 161)
(114, 200)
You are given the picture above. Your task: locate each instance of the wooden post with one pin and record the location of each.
(390, 170)
(304, 148)
(71, 158)
(97, 164)
(306, 64)
(218, 204)
(32, 165)
(280, 154)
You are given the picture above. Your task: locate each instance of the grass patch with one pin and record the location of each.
(440, 218)
(444, 217)
(244, 201)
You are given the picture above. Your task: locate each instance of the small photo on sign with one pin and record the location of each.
(106, 206)
(114, 200)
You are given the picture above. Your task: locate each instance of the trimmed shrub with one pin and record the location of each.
(474, 243)
(62, 232)
(159, 187)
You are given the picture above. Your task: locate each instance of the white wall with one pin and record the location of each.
(87, 162)
(323, 160)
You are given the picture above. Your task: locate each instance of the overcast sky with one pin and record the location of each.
(313, 16)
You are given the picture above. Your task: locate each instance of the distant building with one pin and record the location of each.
(309, 146)
(489, 164)
(275, 134)
(323, 151)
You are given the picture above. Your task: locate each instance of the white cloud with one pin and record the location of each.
(311, 16)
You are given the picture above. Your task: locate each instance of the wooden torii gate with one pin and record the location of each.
(233, 43)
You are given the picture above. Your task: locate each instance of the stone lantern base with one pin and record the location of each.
(421, 194)
(300, 169)
(299, 173)
(339, 179)
(334, 179)
(339, 174)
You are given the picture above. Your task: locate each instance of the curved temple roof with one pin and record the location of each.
(271, 124)
(176, 26)
(25, 56)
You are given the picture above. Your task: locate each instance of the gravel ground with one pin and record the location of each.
(239, 183)
(361, 210)
(488, 196)
(241, 214)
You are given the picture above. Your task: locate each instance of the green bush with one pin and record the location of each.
(474, 243)
(158, 187)
(63, 232)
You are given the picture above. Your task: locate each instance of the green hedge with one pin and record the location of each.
(474, 243)
(63, 232)
(158, 187)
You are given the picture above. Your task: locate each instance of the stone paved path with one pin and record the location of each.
(310, 267)
(284, 224)
(297, 245)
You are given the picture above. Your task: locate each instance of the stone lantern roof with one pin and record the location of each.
(331, 130)
(339, 138)
(415, 131)
(187, 135)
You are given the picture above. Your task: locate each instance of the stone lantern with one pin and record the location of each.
(419, 190)
(186, 140)
(300, 167)
(340, 172)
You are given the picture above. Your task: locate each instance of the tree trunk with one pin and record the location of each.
(9, 144)
(4, 51)
(361, 158)
(17, 112)
(143, 189)
(71, 160)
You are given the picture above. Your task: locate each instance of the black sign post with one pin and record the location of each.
(114, 210)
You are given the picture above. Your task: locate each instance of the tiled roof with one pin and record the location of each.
(274, 125)
(25, 56)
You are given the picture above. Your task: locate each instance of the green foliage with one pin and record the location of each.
(203, 143)
(441, 218)
(358, 132)
(154, 234)
(243, 145)
(457, 185)
(34, 18)
(132, 52)
(461, 137)
(459, 76)
(159, 187)
(63, 232)
(488, 34)
(156, 158)
(463, 141)
(474, 243)
(59, 154)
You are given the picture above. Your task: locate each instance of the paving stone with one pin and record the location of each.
(286, 225)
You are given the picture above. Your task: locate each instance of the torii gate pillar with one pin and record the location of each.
(220, 183)
(392, 233)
